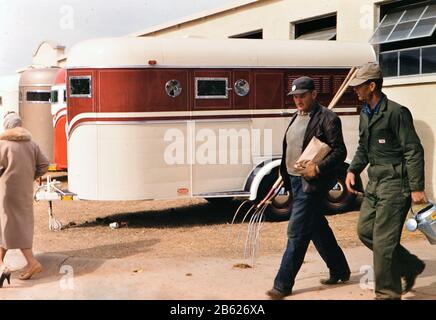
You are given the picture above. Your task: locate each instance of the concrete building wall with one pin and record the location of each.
(356, 19)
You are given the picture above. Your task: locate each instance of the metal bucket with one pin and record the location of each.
(425, 221)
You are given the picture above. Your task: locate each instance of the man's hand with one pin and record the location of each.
(308, 169)
(301, 165)
(419, 197)
(350, 182)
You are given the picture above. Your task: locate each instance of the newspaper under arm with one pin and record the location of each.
(315, 151)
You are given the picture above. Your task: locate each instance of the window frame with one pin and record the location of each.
(57, 96)
(39, 101)
(212, 79)
(399, 62)
(71, 95)
(403, 10)
(294, 25)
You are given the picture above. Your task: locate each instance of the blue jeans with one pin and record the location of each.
(307, 222)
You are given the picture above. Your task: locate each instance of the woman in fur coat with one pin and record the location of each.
(21, 162)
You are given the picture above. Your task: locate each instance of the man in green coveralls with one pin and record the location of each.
(389, 144)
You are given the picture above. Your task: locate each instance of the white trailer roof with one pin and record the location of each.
(39, 77)
(191, 52)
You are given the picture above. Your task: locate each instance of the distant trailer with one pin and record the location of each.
(153, 118)
(59, 114)
(8, 95)
(35, 106)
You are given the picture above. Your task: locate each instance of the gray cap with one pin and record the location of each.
(302, 85)
(11, 120)
(368, 71)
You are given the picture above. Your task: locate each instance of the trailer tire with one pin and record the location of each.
(281, 206)
(339, 199)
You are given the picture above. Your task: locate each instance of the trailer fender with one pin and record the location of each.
(257, 174)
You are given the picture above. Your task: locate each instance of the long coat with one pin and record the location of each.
(21, 162)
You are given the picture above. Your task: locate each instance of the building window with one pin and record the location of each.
(38, 96)
(428, 59)
(80, 87)
(408, 62)
(321, 28)
(256, 34)
(211, 88)
(406, 38)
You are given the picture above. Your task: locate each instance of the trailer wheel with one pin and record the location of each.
(339, 199)
(281, 206)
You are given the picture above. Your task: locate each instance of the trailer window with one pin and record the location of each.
(38, 96)
(80, 87)
(211, 88)
(65, 95)
(54, 97)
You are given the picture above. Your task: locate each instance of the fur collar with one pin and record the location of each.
(16, 134)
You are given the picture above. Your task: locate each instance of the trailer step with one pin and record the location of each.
(226, 194)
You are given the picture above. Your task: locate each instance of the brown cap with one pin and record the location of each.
(368, 71)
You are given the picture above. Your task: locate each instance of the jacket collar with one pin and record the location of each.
(314, 120)
(316, 107)
(379, 113)
(16, 134)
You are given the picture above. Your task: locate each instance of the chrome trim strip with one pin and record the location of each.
(205, 67)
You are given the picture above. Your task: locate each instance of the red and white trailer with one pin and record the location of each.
(143, 113)
(59, 114)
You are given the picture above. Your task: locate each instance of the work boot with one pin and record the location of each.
(275, 294)
(335, 279)
(409, 279)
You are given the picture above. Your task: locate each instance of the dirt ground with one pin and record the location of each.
(182, 249)
(165, 229)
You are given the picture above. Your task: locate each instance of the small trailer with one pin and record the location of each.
(59, 113)
(35, 106)
(153, 118)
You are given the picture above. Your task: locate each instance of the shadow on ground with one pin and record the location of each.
(192, 215)
(202, 214)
